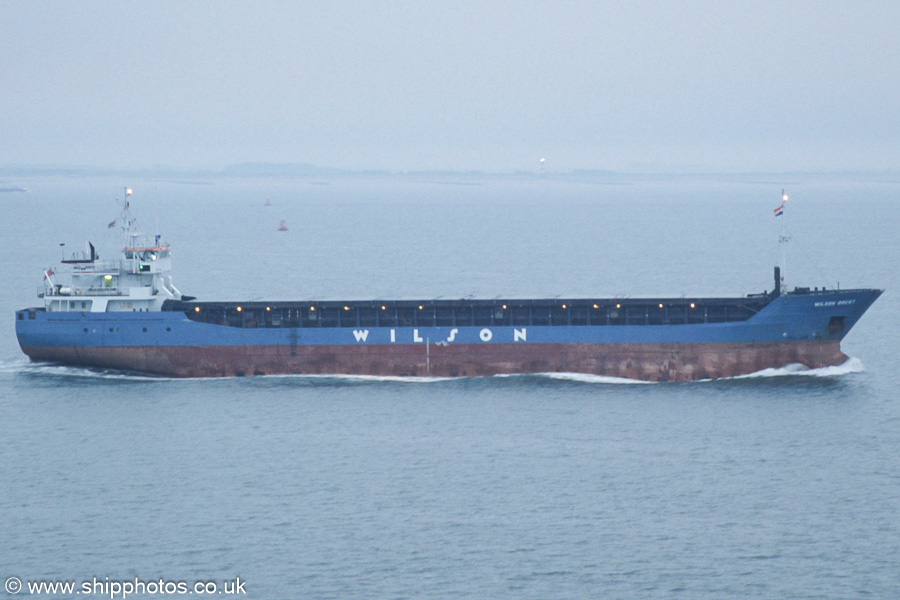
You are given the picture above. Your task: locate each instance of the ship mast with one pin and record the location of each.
(126, 213)
(783, 238)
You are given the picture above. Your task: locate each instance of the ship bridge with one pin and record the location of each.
(138, 280)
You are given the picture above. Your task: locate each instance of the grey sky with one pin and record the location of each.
(476, 85)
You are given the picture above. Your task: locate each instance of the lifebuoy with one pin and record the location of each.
(77, 291)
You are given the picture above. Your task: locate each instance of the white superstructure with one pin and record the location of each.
(139, 280)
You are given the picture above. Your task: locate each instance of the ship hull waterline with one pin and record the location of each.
(660, 362)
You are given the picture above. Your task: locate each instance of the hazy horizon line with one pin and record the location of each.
(300, 170)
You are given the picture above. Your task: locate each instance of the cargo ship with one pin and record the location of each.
(127, 314)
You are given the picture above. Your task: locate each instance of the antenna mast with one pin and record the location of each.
(783, 238)
(126, 214)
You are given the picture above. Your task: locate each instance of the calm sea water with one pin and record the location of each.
(784, 485)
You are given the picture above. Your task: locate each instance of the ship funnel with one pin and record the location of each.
(777, 281)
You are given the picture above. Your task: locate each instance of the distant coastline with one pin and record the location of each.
(322, 175)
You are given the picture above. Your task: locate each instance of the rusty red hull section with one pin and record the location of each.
(643, 361)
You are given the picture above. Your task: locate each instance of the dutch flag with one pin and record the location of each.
(779, 211)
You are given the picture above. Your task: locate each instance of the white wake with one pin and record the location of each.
(851, 365)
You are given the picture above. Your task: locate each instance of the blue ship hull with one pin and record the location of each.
(800, 327)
